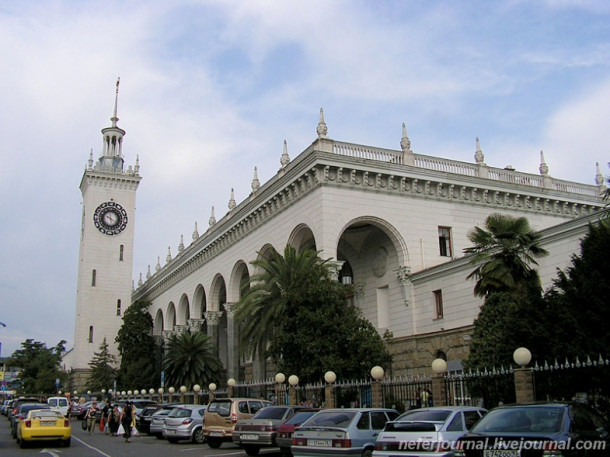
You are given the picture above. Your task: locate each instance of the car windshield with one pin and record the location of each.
(300, 417)
(222, 407)
(425, 415)
(521, 419)
(29, 406)
(331, 419)
(270, 413)
(162, 412)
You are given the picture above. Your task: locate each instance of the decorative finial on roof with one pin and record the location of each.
(285, 159)
(158, 266)
(322, 129)
(181, 245)
(114, 117)
(195, 232)
(232, 203)
(256, 184)
(544, 169)
(148, 274)
(405, 142)
(137, 167)
(168, 258)
(599, 178)
(479, 158)
(212, 220)
(140, 282)
(90, 163)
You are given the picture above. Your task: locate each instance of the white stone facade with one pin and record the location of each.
(378, 212)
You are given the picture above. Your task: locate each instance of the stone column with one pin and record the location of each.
(439, 390)
(524, 385)
(376, 394)
(213, 318)
(293, 395)
(329, 396)
(232, 342)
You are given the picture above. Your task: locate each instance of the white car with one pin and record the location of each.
(59, 404)
(427, 431)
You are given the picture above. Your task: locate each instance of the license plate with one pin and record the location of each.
(215, 433)
(47, 423)
(249, 437)
(501, 453)
(321, 443)
(171, 432)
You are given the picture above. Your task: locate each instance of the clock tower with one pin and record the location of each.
(105, 259)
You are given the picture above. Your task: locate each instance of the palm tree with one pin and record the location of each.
(281, 282)
(504, 254)
(190, 359)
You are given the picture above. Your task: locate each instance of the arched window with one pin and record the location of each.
(93, 277)
(118, 307)
(91, 333)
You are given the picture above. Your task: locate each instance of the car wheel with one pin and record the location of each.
(66, 443)
(285, 452)
(252, 451)
(214, 443)
(198, 436)
(367, 453)
(22, 444)
(159, 436)
(172, 440)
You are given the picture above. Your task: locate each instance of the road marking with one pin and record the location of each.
(90, 447)
(52, 452)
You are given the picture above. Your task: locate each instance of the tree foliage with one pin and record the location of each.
(504, 253)
(297, 314)
(40, 366)
(190, 358)
(103, 369)
(138, 351)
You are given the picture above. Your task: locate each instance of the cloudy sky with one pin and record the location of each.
(212, 88)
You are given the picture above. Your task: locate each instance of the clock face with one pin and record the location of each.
(110, 218)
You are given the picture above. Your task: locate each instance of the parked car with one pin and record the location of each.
(286, 429)
(22, 411)
(428, 430)
(17, 403)
(538, 429)
(140, 404)
(44, 425)
(5, 407)
(339, 432)
(223, 413)
(156, 422)
(157, 419)
(147, 414)
(185, 422)
(261, 429)
(60, 404)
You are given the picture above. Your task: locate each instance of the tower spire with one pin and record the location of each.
(114, 117)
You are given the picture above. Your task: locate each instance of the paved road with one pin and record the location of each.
(100, 445)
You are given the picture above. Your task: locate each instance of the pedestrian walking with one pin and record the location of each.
(127, 417)
(90, 416)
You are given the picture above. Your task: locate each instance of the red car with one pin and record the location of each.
(285, 430)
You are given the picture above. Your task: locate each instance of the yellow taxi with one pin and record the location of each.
(44, 425)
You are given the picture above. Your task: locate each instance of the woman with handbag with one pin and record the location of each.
(127, 417)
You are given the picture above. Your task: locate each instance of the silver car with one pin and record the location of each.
(340, 432)
(157, 420)
(261, 429)
(185, 422)
(426, 431)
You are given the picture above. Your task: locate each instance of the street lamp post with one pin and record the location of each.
(329, 391)
(231, 383)
(280, 392)
(377, 374)
(212, 388)
(294, 382)
(523, 376)
(439, 389)
(196, 389)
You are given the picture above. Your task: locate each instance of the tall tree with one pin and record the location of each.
(190, 359)
(137, 348)
(40, 366)
(297, 314)
(103, 369)
(279, 285)
(504, 254)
